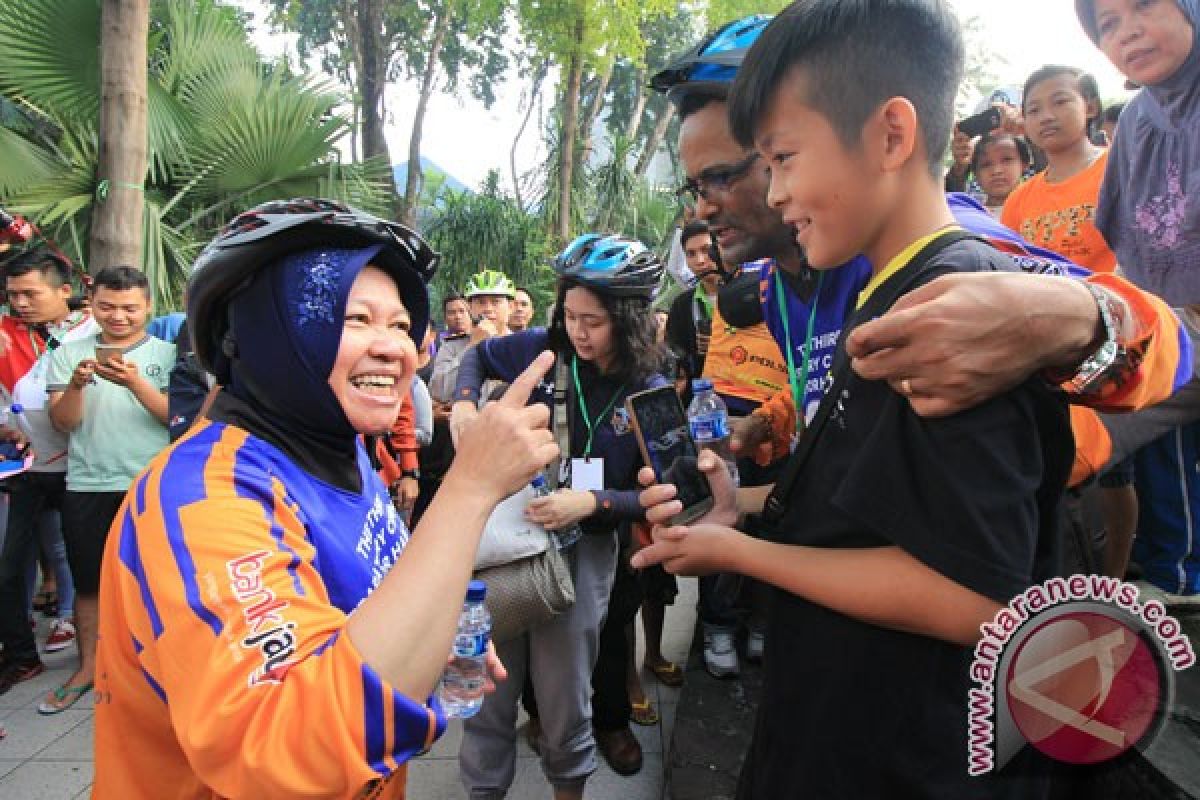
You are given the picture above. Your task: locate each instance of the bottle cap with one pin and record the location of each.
(701, 385)
(476, 591)
(539, 481)
(16, 408)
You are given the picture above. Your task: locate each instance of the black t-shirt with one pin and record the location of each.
(853, 710)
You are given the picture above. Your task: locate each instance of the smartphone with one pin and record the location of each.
(667, 447)
(105, 353)
(984, 122)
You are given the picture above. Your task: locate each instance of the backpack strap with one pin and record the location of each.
(880, 301)
(560, 421)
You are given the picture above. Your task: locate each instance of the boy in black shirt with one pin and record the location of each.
(900, 535)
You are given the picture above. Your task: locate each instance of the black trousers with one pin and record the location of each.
(30, 493)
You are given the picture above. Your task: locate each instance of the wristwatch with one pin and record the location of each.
(415, 474)
(1106, 361)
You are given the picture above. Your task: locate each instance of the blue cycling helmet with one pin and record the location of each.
(612, 264)
(711, 65)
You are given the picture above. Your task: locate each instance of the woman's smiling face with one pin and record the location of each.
(376, 358)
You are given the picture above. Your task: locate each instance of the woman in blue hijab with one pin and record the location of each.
(268, 626)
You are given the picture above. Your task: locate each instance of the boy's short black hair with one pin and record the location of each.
(1112, 113)
(694, 228)
(449, 298)
(120, 279)
(54, 268)
(857, 54)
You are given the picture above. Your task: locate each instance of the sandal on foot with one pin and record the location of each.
(668, 674)
(643, 713)
(64, 698)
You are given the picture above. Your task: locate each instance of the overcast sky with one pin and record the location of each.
(467, 140)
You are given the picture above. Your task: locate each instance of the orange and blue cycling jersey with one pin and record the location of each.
(1158, 354)
(224, 669)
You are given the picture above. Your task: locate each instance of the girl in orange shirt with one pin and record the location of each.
(1056, 208)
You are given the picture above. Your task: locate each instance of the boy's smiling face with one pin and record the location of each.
(1147, 40)
(825, 191)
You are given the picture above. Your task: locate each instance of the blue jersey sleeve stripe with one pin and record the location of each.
(1184, 369)
(330, 642)
(155, 686)
(181, 484)
(374, 733)
(131, 557)
(139, 495)
(245, 485)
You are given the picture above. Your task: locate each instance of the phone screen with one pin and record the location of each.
(668, 449)
(106, 353)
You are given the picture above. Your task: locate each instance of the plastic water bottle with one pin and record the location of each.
(461, 692)
(709, 422)
(11, 455)
(564, 537)
(14, 416)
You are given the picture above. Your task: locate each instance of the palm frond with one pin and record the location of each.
(22, 164)
(50, 56)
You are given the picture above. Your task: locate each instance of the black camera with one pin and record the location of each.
(985, 121)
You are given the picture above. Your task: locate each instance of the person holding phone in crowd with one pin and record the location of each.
(108, 394)
(603, 335)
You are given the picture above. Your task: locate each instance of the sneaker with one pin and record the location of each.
(720, 656)
(60, 636)
(19, 672)
(756, 640)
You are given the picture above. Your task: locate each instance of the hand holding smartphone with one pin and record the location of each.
(107, 353)
(666, 443)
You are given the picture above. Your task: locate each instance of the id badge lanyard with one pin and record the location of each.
(589, 423)
(798, 388)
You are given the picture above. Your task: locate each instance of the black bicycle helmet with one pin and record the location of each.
(612, 264)
(259, 237)
(713, 64)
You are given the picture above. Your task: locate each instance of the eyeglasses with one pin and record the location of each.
(714, 179)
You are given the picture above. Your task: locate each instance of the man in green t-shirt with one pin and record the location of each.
(108, 392)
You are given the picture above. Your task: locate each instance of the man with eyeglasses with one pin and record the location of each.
(727, 190)
(958, 341)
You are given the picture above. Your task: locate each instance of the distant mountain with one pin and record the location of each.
(432, 172)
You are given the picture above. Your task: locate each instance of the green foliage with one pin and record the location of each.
(475, 53)
(224, 130)
(489, 230)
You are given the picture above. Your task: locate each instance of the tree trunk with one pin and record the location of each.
(372, 75)
(598, 100)
(570, 129)
(656, 137)
(639, 107)
(414, 179)
(116, 235)
(538, 76)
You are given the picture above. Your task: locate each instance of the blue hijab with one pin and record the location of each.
(1149, 208)
(288, 327)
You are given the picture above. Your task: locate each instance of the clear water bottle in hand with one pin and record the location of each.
(564, 537)
(461, 691)
(709, 422)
